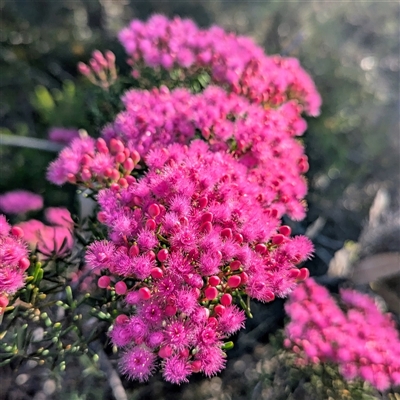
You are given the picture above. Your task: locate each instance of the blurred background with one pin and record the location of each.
(351, 49)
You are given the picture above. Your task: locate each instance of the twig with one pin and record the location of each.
(29, 142)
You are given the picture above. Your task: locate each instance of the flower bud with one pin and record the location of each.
(121, 288)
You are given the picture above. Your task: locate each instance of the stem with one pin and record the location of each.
(29, 142)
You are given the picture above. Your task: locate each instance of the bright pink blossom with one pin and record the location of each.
(230, 60)
(13, 259)
(356, 336)
(20, 202)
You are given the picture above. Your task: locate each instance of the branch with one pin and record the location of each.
(29, 142)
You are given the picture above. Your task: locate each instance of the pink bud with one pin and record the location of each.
(304, 274)
(260, 248)
(211, 293)
(151, 224)
(108, 172)
(156, 273)
(165, 351)
(102, 216)
(212, 322)
(3, 301)
(226, 299)
(162, 255)
(287, 343)
(110, 56)
(103, 282)
(120, 288)
(17, 232)
(24, 263)
(130, 179)
(98, 56)
(244, 277)
(134, 250)
(144, 293)
(285, 230)
(196, 366)
(153, 210)
(128, 164)
(270, 296)
(219, 309)
(152, 255)
(170, 310)
(116, 146)
(86, 159)
(71, 178)
(184, 221)
(121, 319)
(184, 353)
(85, 174)
(226, 233)
(115, 174)
(207, 217)
(83, 69)
(120, 157)
(203, 201)
(234, 265)
(135, 156)
(234, 281)
(122, 182)
(206, 227)
(115, 187)
(278, 239)
(238, 237)
(214, 280)
(101, 145)
(294, 273)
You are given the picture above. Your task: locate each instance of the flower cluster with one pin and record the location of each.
(232, 61)
(101, 70)
(188, 241)
(14, 260)
(20, 202)
(54, 240)
(263, 140)
(362, 340)
(94, 163)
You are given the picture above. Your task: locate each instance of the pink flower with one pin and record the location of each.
(14, 259)
(20, 202)
(59, 216)
(49, 240)
(177, 369)
(233, 61)
(62, 135)
(138, 363)
(360, 339)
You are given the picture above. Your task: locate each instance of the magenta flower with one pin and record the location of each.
(232, 61)
(263, 140)
(182, 234)
(20, 202)
(59, 216)
(138, 363)
(356, 336)
(14, 259)
(63, 135)
(49, 240)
